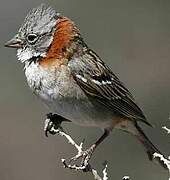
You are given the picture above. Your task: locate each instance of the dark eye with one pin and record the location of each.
(32, 38)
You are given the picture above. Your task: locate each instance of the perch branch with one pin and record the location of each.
(86, 167)
(166, 129)
(53, 126)
(126, 178)
(163, 159)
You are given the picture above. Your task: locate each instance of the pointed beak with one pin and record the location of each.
(14, 43)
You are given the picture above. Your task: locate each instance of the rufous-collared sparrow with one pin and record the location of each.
(72, 80)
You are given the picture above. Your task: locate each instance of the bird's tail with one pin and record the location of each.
(133, 128)
(148, 145)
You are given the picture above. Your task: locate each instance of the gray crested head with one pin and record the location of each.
(35, 34)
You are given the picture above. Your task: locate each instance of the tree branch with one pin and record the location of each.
(53, 126)
(86, 167)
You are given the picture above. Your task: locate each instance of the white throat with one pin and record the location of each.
(24, 55)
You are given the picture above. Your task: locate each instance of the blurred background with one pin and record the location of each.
(133, 38)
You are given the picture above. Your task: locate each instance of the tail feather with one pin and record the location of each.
(148, 145)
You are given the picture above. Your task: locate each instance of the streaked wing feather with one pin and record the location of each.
(98, 82)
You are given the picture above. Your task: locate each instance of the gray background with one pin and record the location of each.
(133, 37)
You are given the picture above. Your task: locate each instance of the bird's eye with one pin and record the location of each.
(32, 38)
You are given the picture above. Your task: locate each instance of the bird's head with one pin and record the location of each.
(43, 33)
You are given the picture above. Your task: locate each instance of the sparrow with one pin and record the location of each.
(72, 80)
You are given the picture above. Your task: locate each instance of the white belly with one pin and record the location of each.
(65, 98)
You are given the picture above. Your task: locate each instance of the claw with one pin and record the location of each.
(49, 124)
(46, 126)
(49, 116)
(75, 158)
(52, 123)
(85, 155)
(46, 133)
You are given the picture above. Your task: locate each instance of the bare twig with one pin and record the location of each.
(86, 167)
(105, 177)
(166, 129)
(126, 178)
(163, 159)
(160, 156)
(53, 126)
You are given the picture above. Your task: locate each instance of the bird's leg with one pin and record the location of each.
(53, 122)
(86, 155)
(53, 126)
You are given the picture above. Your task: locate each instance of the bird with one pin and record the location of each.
(72, 80)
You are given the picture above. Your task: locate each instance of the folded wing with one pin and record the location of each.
(99, 83)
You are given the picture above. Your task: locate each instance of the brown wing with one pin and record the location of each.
(99, 83)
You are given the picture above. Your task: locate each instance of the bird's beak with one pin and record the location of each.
(15, 42)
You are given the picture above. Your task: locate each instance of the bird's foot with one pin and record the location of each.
(52, 123)
(85, 158)
(53, 126)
